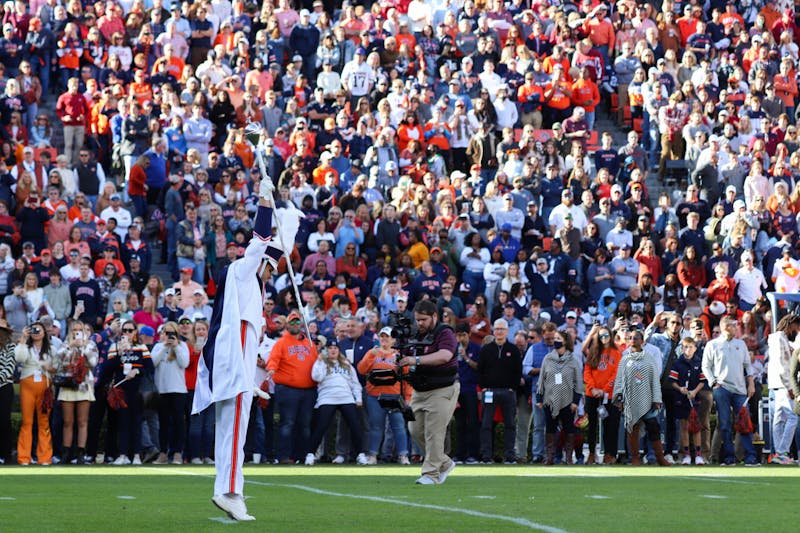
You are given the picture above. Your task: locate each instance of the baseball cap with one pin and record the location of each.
(198, 291)
(46, 251)
(360, 51)
(738, 204)
(169, 292)
(294, 315)
(27, 244)
(385, 331)
(436, 249)
(187, 270)
(147, 331)
(305, 13)
(198, 316)
(571, 314)
(506, 227)
(115, 197)
(541, 261)
(730, 188)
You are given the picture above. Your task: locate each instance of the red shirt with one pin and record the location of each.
(72, 109)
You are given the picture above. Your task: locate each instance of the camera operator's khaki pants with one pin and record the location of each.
(433, 411)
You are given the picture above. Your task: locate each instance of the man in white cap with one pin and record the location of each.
(226, 371)
(304, 40)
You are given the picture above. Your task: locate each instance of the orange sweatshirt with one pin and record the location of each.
(291, 360)
(603, 376)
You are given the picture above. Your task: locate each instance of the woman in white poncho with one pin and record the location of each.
(558, 393)
(637, 391)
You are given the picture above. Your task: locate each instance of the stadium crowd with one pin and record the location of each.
(442, 151)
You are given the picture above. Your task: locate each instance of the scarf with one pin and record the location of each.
(637, 380)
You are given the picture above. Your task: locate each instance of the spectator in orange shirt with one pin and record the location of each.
(531, 97)
(586, 94)
(324, 168)
(786, 85)
(600, 30)
(140, 89)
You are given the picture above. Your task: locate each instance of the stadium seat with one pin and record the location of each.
(614, 102)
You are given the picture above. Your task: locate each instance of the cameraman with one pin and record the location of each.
(434, 377)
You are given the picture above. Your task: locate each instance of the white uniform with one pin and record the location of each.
(231, 353)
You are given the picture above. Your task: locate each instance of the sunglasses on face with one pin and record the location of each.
(128, 330)
(294, 322)
(185, 322)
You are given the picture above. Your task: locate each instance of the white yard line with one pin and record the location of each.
(126, 497)
(713, 496)
(470, 512)
(722, 480)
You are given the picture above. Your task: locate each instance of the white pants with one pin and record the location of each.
(784, 422)
(232, 417)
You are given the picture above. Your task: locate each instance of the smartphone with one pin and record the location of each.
(80, 304)
(78, 335)
(178, 292)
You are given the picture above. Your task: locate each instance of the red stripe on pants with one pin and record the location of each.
(235, 447)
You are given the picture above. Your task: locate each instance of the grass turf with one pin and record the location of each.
(384, 498)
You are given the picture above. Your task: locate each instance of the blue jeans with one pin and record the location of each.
(261, 431)
(728, 405)
(201, 433)
(537, 447)
(295, 407)
(377, 423)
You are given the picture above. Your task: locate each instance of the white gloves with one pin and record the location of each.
(266, 188)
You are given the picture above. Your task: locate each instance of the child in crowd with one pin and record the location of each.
(686, 377)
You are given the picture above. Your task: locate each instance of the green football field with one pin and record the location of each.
(384, 498)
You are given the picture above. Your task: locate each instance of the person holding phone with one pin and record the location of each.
(34, 356)
(86, 295)
(77, 356)
(171, 357)
(128, 359)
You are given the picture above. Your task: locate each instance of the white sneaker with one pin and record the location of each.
(310, 459)
(256, 459)
(196, 461)
(122, 460)
(687, 460)
(372, 460)
(699, 460)
(669, 458)
(137, 461)
(425, 480)
(208, 461)
(403, 460)
(338, 460)
(234, 506)
(362, 459)
(443, 475)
